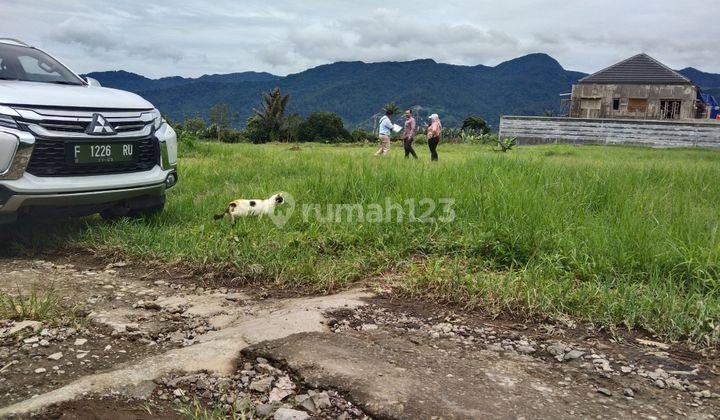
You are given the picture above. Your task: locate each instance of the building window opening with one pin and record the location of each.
(616, 104)
(637, 106)
(670, 109)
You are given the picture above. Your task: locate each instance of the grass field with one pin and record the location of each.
(617, 236)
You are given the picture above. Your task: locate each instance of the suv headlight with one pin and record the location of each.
(8, 146)
(8, 121)
(153, 116)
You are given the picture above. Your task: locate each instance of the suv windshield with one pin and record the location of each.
(32, 65)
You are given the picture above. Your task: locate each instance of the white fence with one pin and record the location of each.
(539, 130)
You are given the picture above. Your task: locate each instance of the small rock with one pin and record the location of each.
(278, 394)
(21, 326)
(525, 349)
(652, 343)
(56, 356)
(660, 383)
(44, 343)
(321, 400)
(31, 340)
(179, 393)
(290, 414)
(261, 385)
(605, 392)
(269, 369)
(306, 402)
(628, 392)
(80, 342)
(573, 354)
(234, 297)
(264, 410)
(369, 327)
(40, 370)
(556, 349)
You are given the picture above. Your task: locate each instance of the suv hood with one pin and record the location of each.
(13, 92)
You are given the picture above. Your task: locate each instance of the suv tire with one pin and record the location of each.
(140, 209)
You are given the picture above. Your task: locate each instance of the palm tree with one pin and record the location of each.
(392, 106)
(272, 111)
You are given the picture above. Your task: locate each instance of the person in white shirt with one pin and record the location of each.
(384, 131)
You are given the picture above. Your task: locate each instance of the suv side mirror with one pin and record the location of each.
(91, 82)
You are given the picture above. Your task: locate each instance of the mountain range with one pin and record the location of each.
(528, 85)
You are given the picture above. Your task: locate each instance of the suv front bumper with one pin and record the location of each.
(21, 192)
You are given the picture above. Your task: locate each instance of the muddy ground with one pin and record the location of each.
(142, 342)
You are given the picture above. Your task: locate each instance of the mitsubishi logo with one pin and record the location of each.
(100, 126)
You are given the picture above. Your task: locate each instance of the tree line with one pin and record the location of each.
(270, 122)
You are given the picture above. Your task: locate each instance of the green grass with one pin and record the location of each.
(196, 410)
(35, 306)
(618, 236)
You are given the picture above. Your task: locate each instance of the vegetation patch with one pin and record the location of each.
(618, 236)
(35, 305)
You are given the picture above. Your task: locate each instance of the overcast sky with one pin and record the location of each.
(191, 38)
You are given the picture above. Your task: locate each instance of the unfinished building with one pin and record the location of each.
(639, 87)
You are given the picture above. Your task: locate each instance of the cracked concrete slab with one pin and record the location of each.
(215, 351)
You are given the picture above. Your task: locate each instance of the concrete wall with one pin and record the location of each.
(540, 130)
(653, 93)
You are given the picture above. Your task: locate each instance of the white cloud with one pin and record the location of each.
(193, 37)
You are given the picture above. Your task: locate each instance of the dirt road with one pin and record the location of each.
(146, 343)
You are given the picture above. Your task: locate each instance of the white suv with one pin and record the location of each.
(71, 147)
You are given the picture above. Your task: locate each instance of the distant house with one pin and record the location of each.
(639, 87)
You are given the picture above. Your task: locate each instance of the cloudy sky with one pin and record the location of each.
(191, 38)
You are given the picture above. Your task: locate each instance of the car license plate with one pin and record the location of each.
(94, 153)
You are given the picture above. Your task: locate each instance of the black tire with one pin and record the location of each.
(146, 209)
(146, 212)
(114, 214)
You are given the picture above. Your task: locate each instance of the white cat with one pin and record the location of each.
(253, 207)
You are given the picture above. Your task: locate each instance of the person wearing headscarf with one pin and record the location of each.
(434, 132)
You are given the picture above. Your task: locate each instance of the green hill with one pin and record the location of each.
(528, 85)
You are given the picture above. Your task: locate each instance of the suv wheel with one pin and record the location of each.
(138, 209)
(146, 212)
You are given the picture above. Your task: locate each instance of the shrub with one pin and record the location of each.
(323, 126)
(362, 135)
(193, 125)
(451, 135)
(256, 131)
(421, 138)
(290, 129)
(475, 124)
(186, 140)
(506, 144)
(230, 135)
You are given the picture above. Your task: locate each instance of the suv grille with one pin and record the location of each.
(81, 126)
(49, 159)
(55, 128)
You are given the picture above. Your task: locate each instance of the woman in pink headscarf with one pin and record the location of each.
(433, 132)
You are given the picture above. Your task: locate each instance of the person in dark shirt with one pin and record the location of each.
(409, 134)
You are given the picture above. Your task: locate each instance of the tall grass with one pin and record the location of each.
(35, 305)
(614, 235)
